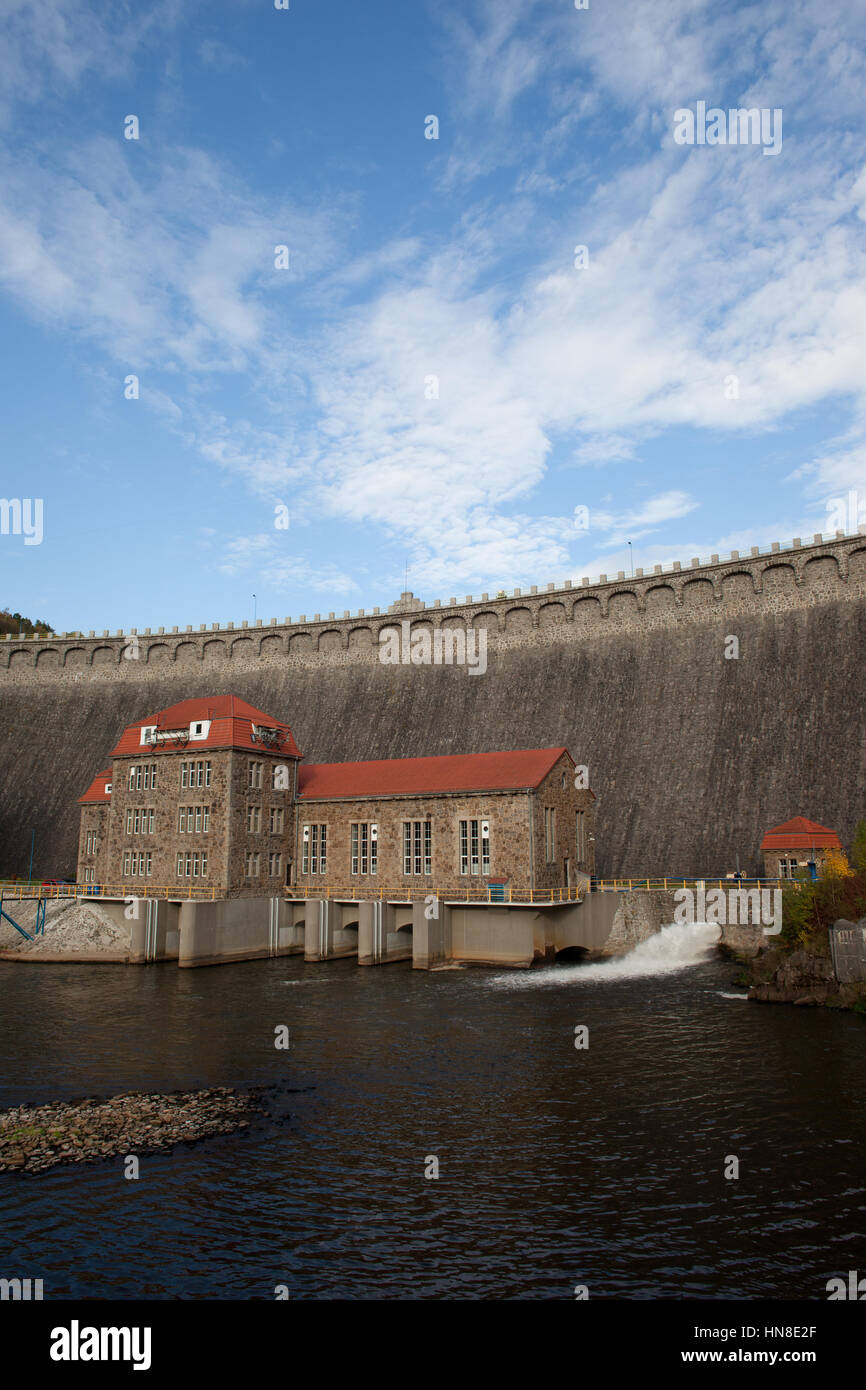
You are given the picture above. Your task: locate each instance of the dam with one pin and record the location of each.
(694, 741)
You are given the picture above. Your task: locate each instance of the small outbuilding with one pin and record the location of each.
(796, 845)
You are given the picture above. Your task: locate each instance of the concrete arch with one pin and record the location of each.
(159, 654)
(187, 653)
(518, 619)
(778, 579)
(300, 642)
(21, 657)
(360, 637)
(104, 656)
(487, 618)
(272, 645)
(243, 649)
(75, 656)
(454, 622)
(48, 656)
(552, 613)
(697, 592)
(214, 651)
(331, 640)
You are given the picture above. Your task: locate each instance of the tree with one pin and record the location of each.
(858, 847)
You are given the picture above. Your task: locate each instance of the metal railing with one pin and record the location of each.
(35, 889)
(358, 892)
(668, 885)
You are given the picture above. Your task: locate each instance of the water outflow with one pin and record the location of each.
(672, 948)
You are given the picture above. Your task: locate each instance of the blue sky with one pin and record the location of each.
(432, 380)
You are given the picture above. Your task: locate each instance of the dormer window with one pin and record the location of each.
(199, 729)
(147, 734)
(108, 789)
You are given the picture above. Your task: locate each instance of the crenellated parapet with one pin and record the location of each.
(785, 576)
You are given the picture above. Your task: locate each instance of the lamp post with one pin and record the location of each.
(254, 610)
(631, 557)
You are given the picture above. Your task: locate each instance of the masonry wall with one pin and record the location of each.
(692, 756)
(507, 812)
(565, 801)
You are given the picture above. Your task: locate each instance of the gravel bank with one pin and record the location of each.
(36, 1137)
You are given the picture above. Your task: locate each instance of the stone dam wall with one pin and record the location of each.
(692, 754)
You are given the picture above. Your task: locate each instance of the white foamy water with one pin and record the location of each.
(673, 948)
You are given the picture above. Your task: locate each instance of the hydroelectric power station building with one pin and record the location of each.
(212, 793)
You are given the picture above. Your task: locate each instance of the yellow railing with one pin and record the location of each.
(668, 885)
(36, 889)
(362, 892)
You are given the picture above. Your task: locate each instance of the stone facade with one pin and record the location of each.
(240, 830)
(775, 868)
(516, 840)
(228, 792)
(93, 856)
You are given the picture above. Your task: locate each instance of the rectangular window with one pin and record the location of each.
(195, 864)
(252, 864)
(364, 848)
(205, 819)
(187, 863)
(254, 819)
(184, 775)
(136, 822)
(129, 822)
(147, 778)
(126, 859)
(256, 770)
(550, 834)
(181, 820)
(198, 820)
(474, 847)
(207, 774)
(148, 862)
(581, 837)
(275, 865)
(314, 857)
(417, 847)
(277, 820)
(132, 779)
(204, 863)
(180, 866)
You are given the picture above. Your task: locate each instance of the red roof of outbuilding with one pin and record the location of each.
(97, 789)
(801, 833)
(460, 772)
(231, 727)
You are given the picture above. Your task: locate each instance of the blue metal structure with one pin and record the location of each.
(40, 919)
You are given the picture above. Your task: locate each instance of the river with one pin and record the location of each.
(600, 1166)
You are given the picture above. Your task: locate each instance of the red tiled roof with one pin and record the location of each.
(801, 833)
(96, 791)
(231, 727)
(461, 772)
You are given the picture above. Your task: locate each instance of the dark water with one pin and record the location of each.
(557, 1167)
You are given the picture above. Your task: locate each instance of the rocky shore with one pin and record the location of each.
(33, 1138)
